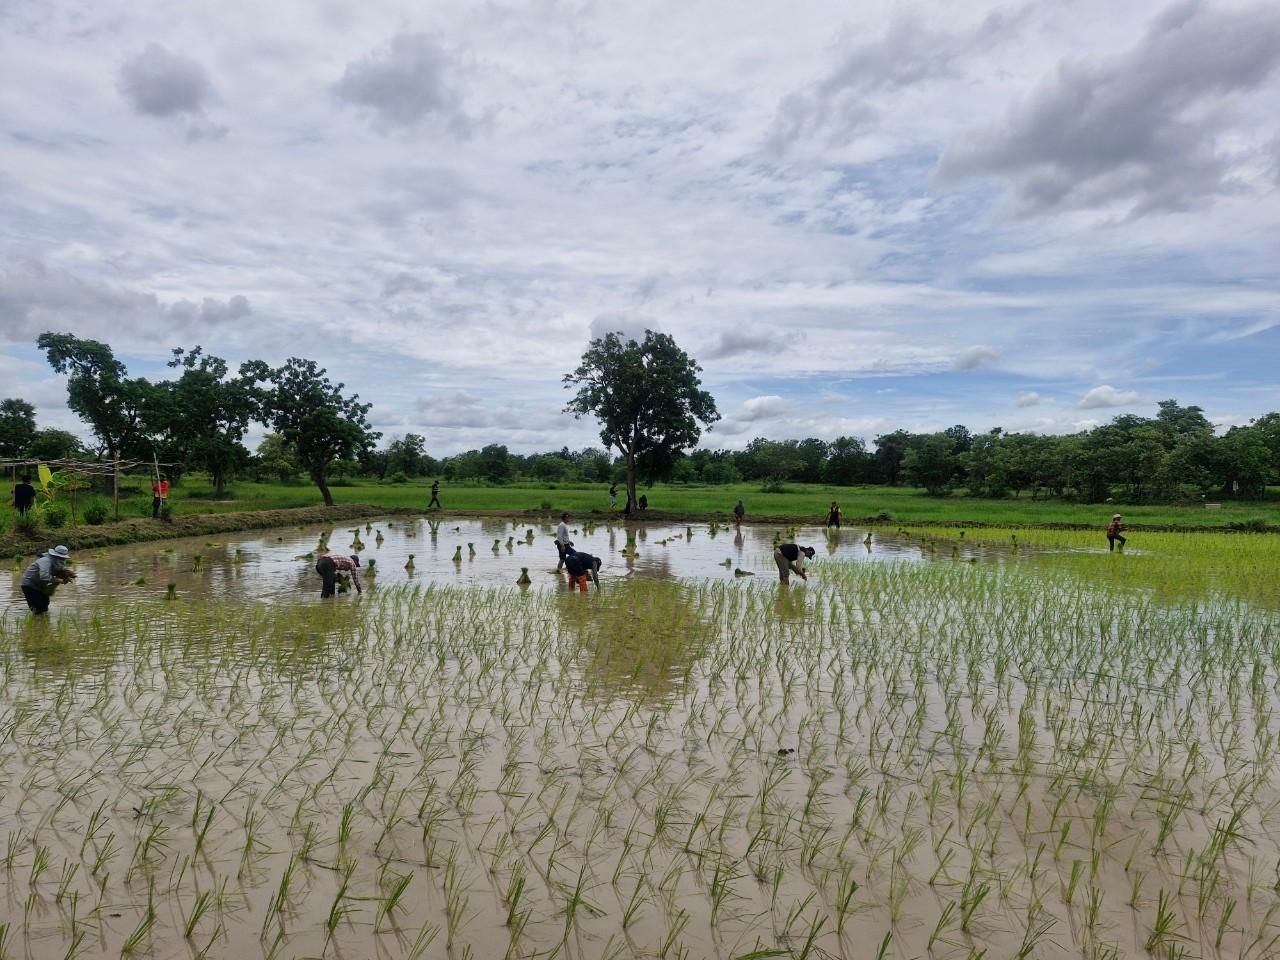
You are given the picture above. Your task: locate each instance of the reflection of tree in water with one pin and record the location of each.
(638, 639)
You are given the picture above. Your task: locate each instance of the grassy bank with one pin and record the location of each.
(138, 530)
(253, 503)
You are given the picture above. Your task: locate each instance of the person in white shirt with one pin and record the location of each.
(562, 539)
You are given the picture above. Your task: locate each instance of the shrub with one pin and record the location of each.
(398, 477)
(26, 524)
(884, 515)
(1252, 525)
(55, 515)
(96, 513)
(546, 504)
(166, 512)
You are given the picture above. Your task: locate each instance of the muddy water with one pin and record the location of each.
(281, 563)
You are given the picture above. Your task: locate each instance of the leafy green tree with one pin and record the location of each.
(847, 461)
(17, 427)
(312, 415)
(931, 464)
(277, 458)
(200, 419)
(101, 393)
(50, 444)
(647, 396)
(495, 463)
(1245, 459)
(408, 455)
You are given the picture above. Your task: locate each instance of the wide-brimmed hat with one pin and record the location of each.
(60, 551)
(1116, 517)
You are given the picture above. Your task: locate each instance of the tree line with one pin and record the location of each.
(648, 400)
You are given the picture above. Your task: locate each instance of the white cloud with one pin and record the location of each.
(974, 358)
(161, 83)
(1107, 396)
(1028, 399)
(764, 408)
(736, 342)
(409, 81)
(630, 326)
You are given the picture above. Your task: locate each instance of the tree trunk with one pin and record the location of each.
(323, 484)
(219, 485)
(632, 500)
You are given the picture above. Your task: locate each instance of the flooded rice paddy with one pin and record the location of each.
(1073, 756)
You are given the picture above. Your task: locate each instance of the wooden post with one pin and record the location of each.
(115, 486)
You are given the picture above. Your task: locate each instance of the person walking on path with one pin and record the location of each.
(24, 496)
(581, 567)
(329, 565)
(613, 495)
(833, 515)
(1115, 532)
(159, 496)
(739, 511)
(790, 559)
(562, 539)
(43, 577)
(435, 495)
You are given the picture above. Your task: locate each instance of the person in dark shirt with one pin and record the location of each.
(790, 559)
(581, 566)
(739, 511)
(24, 495)
(613, 496)
(435, 495)
(833, 515)
(643, 503)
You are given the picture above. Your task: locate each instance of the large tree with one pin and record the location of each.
(17, 428)
(311, 415)
(647, 396)
(101, 393)
(203, 415)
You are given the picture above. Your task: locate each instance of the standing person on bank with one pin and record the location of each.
(159, 495)
(562, 540)
(613, 495)
(43, 577)
(435, 495)
(790, 559)
(329, 565)
(1115, 532)
(24, 496)
(739, 511)
(581, 567)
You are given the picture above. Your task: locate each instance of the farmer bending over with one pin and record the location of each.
(43, 577)
(581, 566)
(1114, 529)
(328, 567)
(790, 559)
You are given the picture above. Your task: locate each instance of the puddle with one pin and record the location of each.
(280, 563)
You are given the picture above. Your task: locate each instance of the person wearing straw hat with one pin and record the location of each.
(43, 577)
(1114, 533)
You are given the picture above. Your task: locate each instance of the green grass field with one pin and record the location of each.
(798, 500)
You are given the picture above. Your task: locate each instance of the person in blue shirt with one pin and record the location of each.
(581, 566)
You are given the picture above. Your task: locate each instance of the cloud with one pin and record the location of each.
(1107, 396)
(732, 343)
(1142, 130)
(408, 82)
(1028, 399)
(763, 408)
(631, 326)
(456, 410)
(160, 83)
(404, 282)
(35, 297)
(974, 358)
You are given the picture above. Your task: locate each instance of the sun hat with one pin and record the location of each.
(60, 551)
(1116, 517)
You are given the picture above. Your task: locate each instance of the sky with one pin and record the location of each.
(856, 216)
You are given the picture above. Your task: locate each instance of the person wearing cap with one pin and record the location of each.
(562, 539)
(581, 567)
(1114, 533)
(43, 577)
(329, 565)
(790, 559)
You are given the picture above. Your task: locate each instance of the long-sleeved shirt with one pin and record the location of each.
(44, 573)
(794, 555)
(346, 565)
(24, 495)
(562, 533)
(580, 564)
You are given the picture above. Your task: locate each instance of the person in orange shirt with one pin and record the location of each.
(159, 496)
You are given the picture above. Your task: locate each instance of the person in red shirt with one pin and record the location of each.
(159, 496)
(1114, 529)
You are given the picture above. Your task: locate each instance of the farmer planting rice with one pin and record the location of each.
(330, 565)
(1114, 533)
(581, 566)
(45, 574)
(790, 559)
